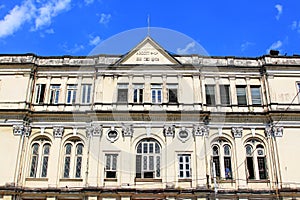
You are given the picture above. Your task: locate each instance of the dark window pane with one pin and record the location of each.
(210, 95)
(67, 167)
(241, 95)
(217, 165)
(45, 166)
(227, 165)
(255, 94)
(250, 168)
(111, 174)
(224, 94)
(138, 164)
(78, 167)
(173, 95)
(33, 166)
(122, 95)
(262, 168)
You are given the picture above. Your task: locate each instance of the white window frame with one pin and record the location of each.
(86, 92)
(111, 167)
(39, 166)
(121, 87)
(54, 93)
(184, 166)
(138, 93)
(40, 94)
(71, 93)
(252, 95)
(156, 89)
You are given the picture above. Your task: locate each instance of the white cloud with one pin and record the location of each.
(47, 11)
(246, 45)
(41, 13)
(16, 18)
(186, 49)
(279, 10)
(296, 26)
(94, 41)
(104, 18)
(49, 31)
(87, 2)
(76, 48)
(275, 46)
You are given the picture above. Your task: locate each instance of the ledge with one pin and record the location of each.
(71, 179)
(36, 179)
(111, 179)
(258, 181)
(147, 180)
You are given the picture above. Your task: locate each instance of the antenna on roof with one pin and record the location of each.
(148, 25)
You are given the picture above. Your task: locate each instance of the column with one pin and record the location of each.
(78, 91)
(240, 156)
(197, 92)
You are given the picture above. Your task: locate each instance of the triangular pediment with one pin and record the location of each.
(148, 52)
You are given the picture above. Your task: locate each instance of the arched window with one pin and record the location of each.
(148, 156)
(256, 161)
(73, 152)
(221, 157)
(40, 151)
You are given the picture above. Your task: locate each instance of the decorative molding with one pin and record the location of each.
(127, 131)
(274, 131)
(58, 131)
(237, 132)
(183, 134)
(112, 134)
(94, 130)
(169, 131)
(20, 129)
(200, 130)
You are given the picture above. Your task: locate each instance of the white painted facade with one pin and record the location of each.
(125, 127)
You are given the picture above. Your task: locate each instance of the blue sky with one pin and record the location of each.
(224, 28)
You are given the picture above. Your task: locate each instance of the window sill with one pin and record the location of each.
(147, 180)
(36, 179)
(258, 181)
(111, 179)
(184, 180)
(226, 181)
(71, 179)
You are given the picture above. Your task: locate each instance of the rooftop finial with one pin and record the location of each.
(148, 25)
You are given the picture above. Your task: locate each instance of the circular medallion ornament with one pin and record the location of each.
(112, 135)
(183, 134)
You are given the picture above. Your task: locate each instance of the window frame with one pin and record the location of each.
(40, 91)
(54, 94)
(172, 93)
(86, 93)
(41, 159)
(138, 93)
(71, 93)
(241, 96)
(210, 94)
(185, 172)
(145, 168)
(224, 94)
(156, 94)
(111, 169)
(255, 100)
(122, 95)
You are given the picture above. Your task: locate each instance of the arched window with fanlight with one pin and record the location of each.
(148, 158)
(40, 151)
(256, 163)
(73, 155)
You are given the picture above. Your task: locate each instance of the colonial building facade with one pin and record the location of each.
(149, 125)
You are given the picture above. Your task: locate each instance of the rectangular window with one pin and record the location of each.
(111, 166)
(241, 95)
(71, 93)
(255, 94)
(122, 93)
(156, 93)
(216, 160)
(86, 93)
(224, 94)
(172, 93)
(54, 93)
(40, 93)
(210, 95)
(138, 93)
(184, 161)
